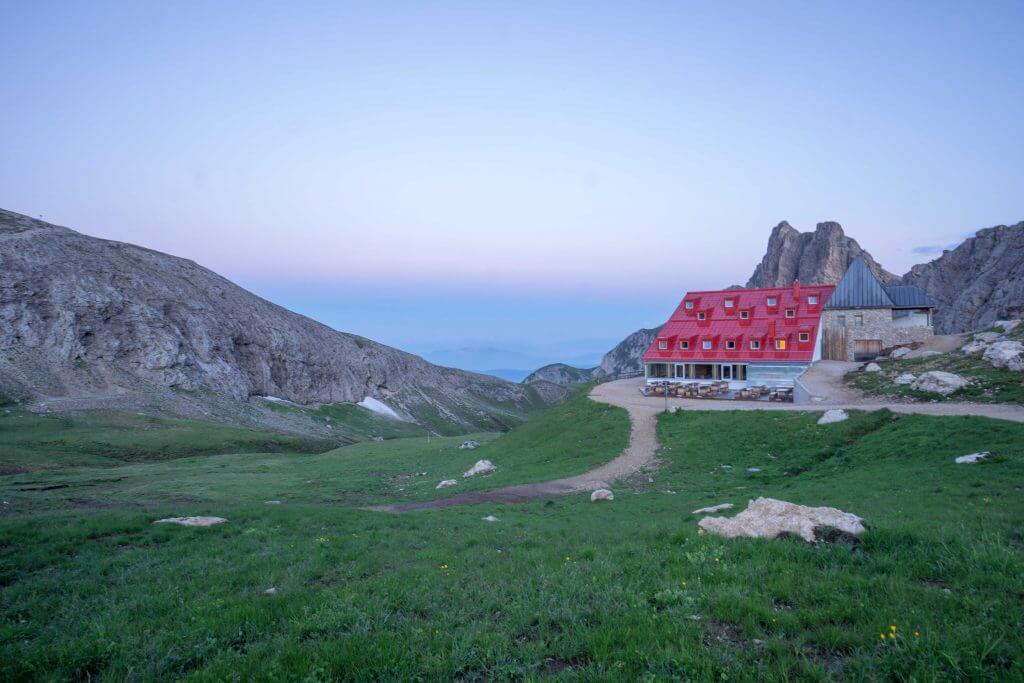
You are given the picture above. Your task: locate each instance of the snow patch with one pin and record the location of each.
(379, 407)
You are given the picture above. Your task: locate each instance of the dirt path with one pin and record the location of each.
(825, 383)
(643, 442)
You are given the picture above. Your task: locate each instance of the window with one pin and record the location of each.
(841, 320)
(744, 315)
(812, 300)
(790, 312)
(689, 305)
(729, 303)
(684, 345)
(780, 344)
(706, 344)
(755, 344)
(662, 344)
(805, 336)
(772, 301)
(858, 320)
(702, 316)
(730, 344)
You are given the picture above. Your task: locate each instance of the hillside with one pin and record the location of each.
(87, 323)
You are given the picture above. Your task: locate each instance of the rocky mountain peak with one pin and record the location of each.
(819, 257)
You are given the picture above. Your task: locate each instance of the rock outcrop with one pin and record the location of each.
(81, 316)
(819, 257)
(1006, 354)
(978, 283)
(771, 518)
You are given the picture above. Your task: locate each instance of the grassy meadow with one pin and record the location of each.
(561, 589)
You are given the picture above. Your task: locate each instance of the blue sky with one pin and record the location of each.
(538, 177)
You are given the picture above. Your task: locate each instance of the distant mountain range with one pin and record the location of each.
(975, 284)
(88, 323)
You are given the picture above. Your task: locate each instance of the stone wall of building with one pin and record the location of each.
(873, 323)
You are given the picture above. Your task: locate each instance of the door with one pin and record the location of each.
(833, 343)
(867, 349)
(726, 372)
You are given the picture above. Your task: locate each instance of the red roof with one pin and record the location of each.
(723, 324)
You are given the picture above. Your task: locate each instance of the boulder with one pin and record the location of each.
(899, 353)
(469, 445)
(938, 382)
(834, 415)
(972, 458)
(975, 346)
(753, 469)
(1006, 354)
(192, 521)
(771, 518)
(713, 509)
(905, 378)
(1007, 325)
(600, 495)
(446, 483)
(270, 591)
(988, 337)
(929, 354)
(489, 518)
(872, 367)
(481, 467)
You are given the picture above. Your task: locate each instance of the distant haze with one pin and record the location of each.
(532, 178)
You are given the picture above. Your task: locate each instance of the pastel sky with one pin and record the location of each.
(537, 177)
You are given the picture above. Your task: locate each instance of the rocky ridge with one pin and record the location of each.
(97, 320)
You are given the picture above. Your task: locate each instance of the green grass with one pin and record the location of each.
(350, 421)
(987, 383)
(107, 438)
(563, 588)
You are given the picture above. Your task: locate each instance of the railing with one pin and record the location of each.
(621, 375)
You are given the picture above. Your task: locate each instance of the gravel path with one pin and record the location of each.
(825, 382)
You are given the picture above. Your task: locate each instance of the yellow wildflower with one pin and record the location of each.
(917, 634)
(882, 636)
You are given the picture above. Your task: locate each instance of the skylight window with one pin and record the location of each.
(812, 300)
(780, 344)
(662, 344)
(790, 312)
(730, 344)
(805, 336)
(755, 344)
(702, 316)
(689, 305)
(706, 344)
(729, 303)
(744, 315)
(773, 301)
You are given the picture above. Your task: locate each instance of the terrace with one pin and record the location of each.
(717, 390)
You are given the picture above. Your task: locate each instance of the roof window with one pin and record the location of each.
(662, 344)
(773, 301)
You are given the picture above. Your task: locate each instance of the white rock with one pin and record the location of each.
(768, 518)
(834, 415)
(713, 509)
(899, 353)
(972, 458)
(270, 591)
(481, 467)
(938, 382)
(470, 445)
(192, 521)
(929, 354)
(1007, 325)
(489, 518)
(872, 367)
(1006, 354)
(974, 346)
(446, 483)
(601, 494)
(271, 502)
(753, 469)
(988, 337)
(905, 378)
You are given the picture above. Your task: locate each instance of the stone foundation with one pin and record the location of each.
(875, 324)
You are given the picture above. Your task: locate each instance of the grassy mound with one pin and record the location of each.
(988, 384)
(564, 589)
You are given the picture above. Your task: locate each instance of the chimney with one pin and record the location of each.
(796, 289)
